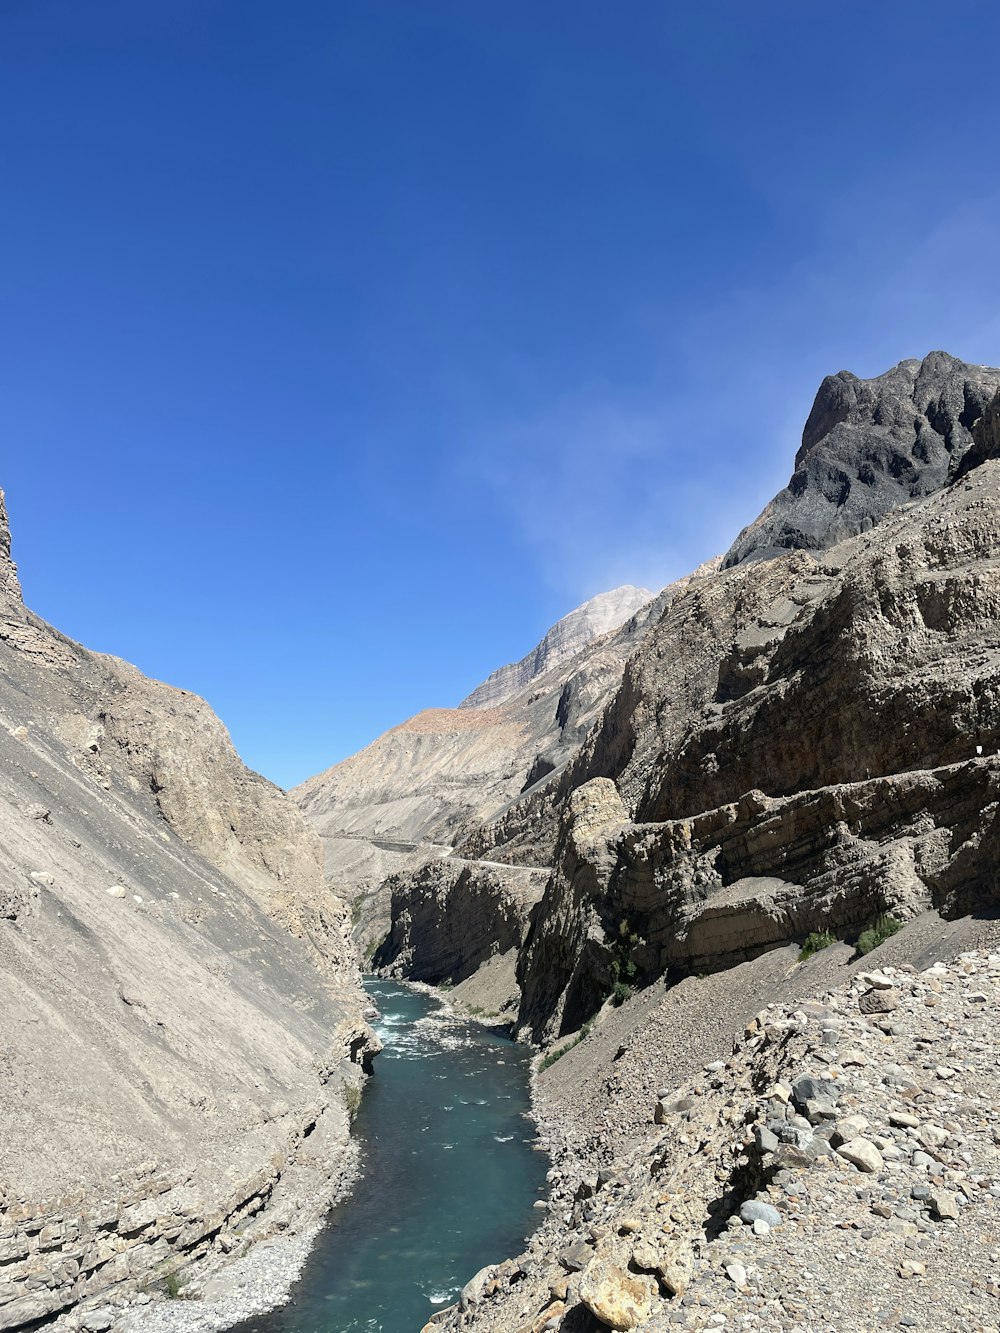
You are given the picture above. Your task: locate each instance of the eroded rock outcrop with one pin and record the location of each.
(786, 741)
(434, 782)
(797, 746)
(451, 917)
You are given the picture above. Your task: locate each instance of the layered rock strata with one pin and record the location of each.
(815, 764)
(182, 1013)
(419, 790)
(785, 743)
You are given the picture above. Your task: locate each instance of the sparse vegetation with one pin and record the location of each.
(622, 966)
(815, 942)
(357, 903)
(557, 1052)
(883, 928)
(172, 1285)
(352, 1099)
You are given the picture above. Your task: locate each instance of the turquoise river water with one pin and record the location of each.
(449, 1177)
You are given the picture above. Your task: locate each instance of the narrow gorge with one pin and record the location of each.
(709, 810)
(721, 860)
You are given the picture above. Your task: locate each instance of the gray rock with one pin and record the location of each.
(576, 1257)
(878, 1001)
(767, 1141)
(756, 1210)
(807, 1089)
(862, 1154)
(868, 447)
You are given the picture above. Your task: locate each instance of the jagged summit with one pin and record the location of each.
(599, 616)
(868, 447)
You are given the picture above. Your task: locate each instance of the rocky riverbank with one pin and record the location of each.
(230, 1286)
(838, 1171)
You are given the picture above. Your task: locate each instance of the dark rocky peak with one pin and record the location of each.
(985, 438)
(868, 447)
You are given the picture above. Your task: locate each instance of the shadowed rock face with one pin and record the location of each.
(868, 447)
(450, 917)
(180, 997)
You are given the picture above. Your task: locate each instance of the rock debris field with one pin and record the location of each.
(839, 1172)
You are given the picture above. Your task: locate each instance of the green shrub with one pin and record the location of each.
(884, 928)
(560, 1051)
(172, 1285)
(819, 939)
(622, 964)
(352, 1099)
(621, 992)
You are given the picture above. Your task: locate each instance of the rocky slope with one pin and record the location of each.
(802, 740)
(835, 1170)
(452, 920)
(420, 789)
(794, 748)
(182, 1015)
(602, 614)
(793, 744)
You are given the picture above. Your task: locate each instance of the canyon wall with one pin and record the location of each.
(183, 1020)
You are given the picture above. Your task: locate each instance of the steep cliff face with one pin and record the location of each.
(803, 753)
(601, 615)
(10, 586)
(182, 1013)
(784, 744)
(451, 917)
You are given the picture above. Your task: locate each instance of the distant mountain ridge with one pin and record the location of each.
(595, 618)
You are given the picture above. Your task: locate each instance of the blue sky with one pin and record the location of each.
(345, 346)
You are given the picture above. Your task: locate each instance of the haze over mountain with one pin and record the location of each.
(671, 705)
(599, 616)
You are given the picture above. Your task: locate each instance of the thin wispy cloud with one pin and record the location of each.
(607, 486)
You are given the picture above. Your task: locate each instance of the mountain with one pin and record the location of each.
(757, 758)
(419, 791)
(868, 447)
(802, 749)
(181, 1000)
(564, 640)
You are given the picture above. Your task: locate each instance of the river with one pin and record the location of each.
(449, 1176)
